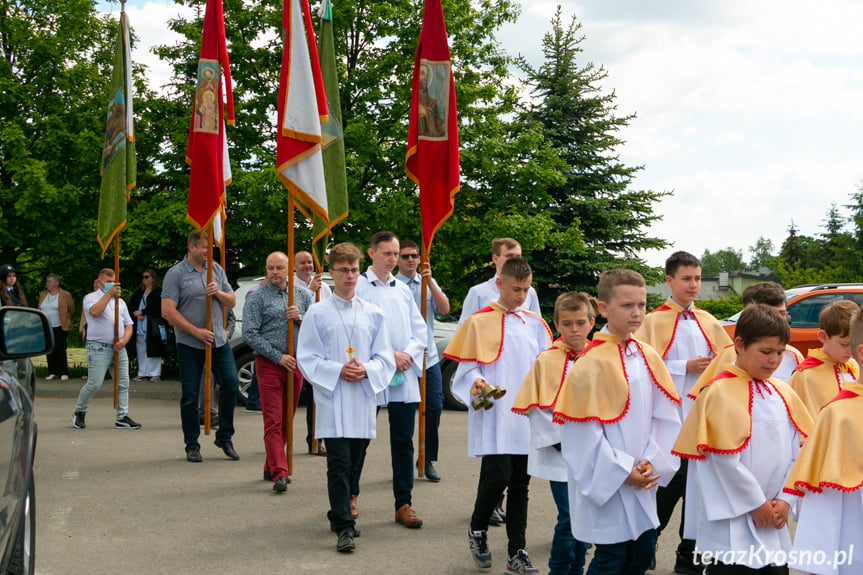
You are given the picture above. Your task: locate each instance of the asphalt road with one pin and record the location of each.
(123, 501)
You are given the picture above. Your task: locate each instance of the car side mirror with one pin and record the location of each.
(24, 332)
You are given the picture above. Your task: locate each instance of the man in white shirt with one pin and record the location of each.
(305, 276)
(101, 346)
(436, 302)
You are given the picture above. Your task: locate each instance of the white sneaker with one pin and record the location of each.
(64, 377)
(50, 377)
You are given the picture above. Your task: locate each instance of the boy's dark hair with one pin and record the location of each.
(768, 293)
(382, 236)
(759, 321)
(610, 279)
(679, 259)
(835, 319)
(575, 301)
(516, 268)
(856, 332)
(499, 244)
(408, 244)
(344, 252)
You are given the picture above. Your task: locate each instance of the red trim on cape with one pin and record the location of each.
(819, 488)
(807, 363)
(844, 394)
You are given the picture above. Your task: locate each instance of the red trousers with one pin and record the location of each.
(272, 381)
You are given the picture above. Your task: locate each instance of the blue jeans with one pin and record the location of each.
(626, 558)
(100, 357)
(402, 416)
(191, 364)
(254, 396)
(434, 406)
(567, 552)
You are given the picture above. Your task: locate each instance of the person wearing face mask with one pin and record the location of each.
(101, 347)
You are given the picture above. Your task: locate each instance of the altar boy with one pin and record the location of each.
(618, 407)
(828, 475)
(496, 347)
(574, 317)
(742, 436)
(345, 352)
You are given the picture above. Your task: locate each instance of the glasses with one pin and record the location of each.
(146, 277)
(347, 271)
(409, 256)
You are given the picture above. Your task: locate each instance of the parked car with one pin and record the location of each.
(24, 333)
(245, 357)
(805, 302)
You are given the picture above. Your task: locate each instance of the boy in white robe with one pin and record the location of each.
(687, 338)
(742, 436)
(409, 337)
(574, 317)
(345, 352)
(826, 370)
(496, 347)
(768, 293)
(619, 408)
(828, 476)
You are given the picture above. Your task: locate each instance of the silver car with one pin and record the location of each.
(24, 333)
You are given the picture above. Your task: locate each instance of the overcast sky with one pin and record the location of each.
(750, 112)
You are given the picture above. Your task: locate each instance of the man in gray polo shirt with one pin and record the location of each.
(184, 301)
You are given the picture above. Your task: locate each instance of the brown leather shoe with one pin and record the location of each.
(408, 517)
(355, 510)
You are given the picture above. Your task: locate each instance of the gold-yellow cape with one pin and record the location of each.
(596, 387)
(660, 325)
(728, 355)
(480, 337)
(720, 421)
(816, 380)
(832, 457)
(543, 381)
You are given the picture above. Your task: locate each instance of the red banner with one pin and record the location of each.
(432, 155)
(205, 152)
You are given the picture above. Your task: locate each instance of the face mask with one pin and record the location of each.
(107, 286)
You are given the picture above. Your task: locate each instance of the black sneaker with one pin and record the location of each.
(78, 420)
(126, 422)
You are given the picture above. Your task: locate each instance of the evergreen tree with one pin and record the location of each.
(597, 220)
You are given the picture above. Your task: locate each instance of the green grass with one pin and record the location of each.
(76, 356)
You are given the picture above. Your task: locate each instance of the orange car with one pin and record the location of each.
(804, 304)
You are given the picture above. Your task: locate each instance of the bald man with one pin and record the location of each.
(265, 329)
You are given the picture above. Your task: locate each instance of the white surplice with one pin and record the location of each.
(599, 457)
(330, 327)
(724, 488)
(689, 342)
(543, 459)
(406, 328)
(830, 528)
(499, 431)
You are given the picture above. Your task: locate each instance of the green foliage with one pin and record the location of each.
(761, 252)
(722, 307)
(727, 260)
(54, 79)
(545, 173)
(598, 222)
